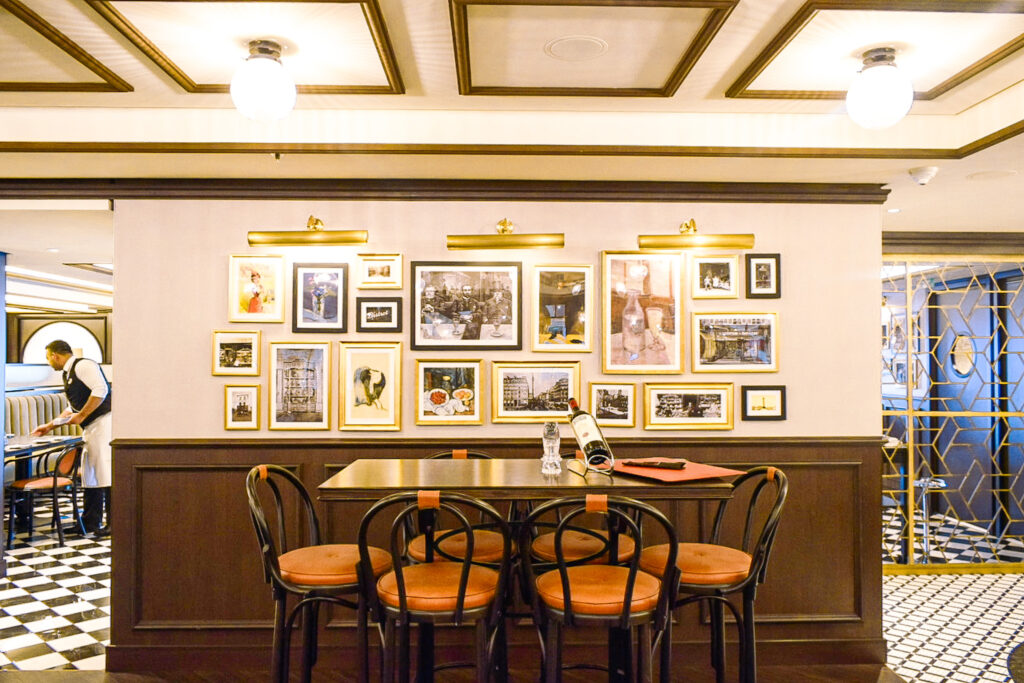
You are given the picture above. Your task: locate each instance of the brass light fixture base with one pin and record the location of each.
(505, 238)
(689, 239)
(315, 235)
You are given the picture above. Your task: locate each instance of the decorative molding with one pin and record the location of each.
(952, 243)
(719, 11)
(522, 442)
(111, 81)
(374, 22)
(444, 190)
(806, 14)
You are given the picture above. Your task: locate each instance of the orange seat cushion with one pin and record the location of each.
(41, 483)
(329, 565)
(577, 544)
(488, 546)
(434, 587)
(702, 564)
(599, 589)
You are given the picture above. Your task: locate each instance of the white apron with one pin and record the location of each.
(95, 467)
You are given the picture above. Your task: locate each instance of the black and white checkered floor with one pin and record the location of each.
(950, 541)
(55, 601)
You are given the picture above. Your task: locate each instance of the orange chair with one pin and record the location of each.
(437, 592)
(583, 592)
(57, 475)
(713, 571)
(314, 571)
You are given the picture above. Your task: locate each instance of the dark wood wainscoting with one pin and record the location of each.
(188, 589)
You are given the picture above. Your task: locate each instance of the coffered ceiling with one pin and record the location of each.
(580, 89)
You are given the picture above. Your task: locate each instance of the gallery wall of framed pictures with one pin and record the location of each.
(669, 329)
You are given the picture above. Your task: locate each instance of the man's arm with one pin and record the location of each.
(48, 427)
(91, 404)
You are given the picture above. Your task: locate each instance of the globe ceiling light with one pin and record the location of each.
(262, 89)
(880, 95)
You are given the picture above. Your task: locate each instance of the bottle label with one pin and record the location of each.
(585, 428)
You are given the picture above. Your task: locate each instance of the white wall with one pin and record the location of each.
(171, 263)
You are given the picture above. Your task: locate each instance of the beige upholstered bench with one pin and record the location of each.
(25, 412)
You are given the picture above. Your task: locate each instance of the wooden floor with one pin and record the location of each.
(766, 674)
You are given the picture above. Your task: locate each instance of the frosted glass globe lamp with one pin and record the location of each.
(262, 89)
(880, 95)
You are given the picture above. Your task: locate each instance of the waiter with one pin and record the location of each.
(88, 395)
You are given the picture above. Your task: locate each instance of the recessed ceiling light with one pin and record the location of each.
(992, 175)
(53, 250)
(893, 210)
(576, 48)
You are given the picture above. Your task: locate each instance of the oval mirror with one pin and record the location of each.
(962, 355)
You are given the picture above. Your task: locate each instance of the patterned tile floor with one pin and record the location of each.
(951, 541)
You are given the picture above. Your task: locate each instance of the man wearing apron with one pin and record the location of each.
(88, 395)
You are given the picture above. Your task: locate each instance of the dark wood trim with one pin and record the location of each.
(806, 14)
(374, 23)
(443, 190)
(953, 243)
(111, 81)
(719, 11)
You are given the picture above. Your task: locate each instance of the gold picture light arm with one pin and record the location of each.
(314, 235)
(506, 238)
(689, 239)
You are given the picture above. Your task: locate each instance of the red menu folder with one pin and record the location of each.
(692, 471)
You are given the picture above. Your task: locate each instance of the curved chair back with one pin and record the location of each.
(459, 454)
(622, 515)
(67, 462)
(274, 540)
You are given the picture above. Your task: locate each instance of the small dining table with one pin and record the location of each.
(507, 479)
(22, 451)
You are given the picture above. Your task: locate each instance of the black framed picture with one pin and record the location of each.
(460, 305)
(763, 402)
(764, 277)
(320, 296)
(378, 314)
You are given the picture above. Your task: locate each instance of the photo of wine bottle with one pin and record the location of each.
(588, 435)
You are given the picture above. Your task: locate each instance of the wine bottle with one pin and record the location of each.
(588, 435)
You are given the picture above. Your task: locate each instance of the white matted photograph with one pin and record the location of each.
(687, 406)
(242, 406)
(763, 402)
(300, 385)
(715, 277)
(613, 404)
(533, 391)
(255, 289)
(450, 392)
(236, 352)
(735, 342)
(379, 271)
(371, 386)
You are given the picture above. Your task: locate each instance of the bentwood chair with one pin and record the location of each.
(711, 572)
(315, 572)
(56, 475)
(430, 593)
(582, 592)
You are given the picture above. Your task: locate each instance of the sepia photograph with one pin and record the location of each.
(378, 314)
(236, 352)
(763, 402)
(563, 314)
(371, 386)
(449, 392)
(613, 404)
(379, 271)
(299, 376)
(715, 277)
(321, 293)
(242, 406)
(763, 276)
(255, 289)
(642, 311)
(688, 406)
(459, 305)
(533, 391)
(735, 342)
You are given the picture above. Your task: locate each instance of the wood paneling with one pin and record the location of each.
(189, 591)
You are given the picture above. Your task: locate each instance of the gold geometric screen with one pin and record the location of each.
(952, 337)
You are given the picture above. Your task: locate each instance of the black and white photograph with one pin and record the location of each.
(688, 406)
(236, 352)
(764, 279)
(299, 385)
(459, 305)
(371, 386)
(449, 392)
(242, 406)
(613, 404)
(735, 342)
(378, 314)
(533, 391)
(763, 402)
(379, 271)
(563, 314)
(320, 296)
(715, 277)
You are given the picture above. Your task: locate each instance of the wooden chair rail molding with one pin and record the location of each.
(186, 499)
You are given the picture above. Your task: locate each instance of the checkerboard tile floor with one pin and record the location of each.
(951, 541)
(55, 601)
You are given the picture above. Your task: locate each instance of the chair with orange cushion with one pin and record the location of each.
(308, 568)
(714, 570)
(56, 475)
(430, 593)
(582, 592)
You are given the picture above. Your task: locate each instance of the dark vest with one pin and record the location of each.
(78, 393)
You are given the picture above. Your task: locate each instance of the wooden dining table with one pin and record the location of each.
(508, 479)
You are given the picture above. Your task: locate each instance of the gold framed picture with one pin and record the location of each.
(300, 375)
(715, 277)
(371, 386)
(613, 404)
(236, 352)
(735, 342)
(450, 392)
(242, 406)
(563, 308)
(379, 271)
(687, 406)
(641, 312)
(255, 289)
(533, 391)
